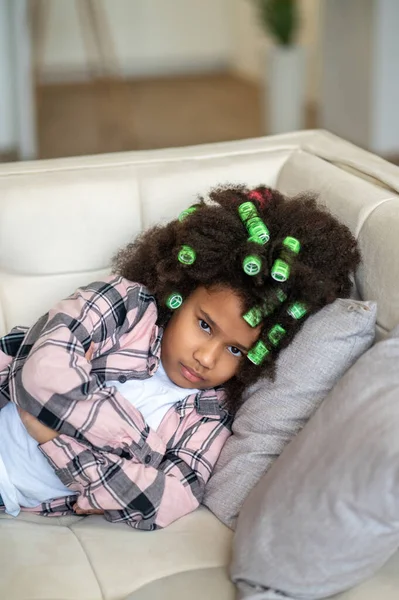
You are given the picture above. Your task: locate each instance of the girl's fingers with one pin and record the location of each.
(89, 511)
(89, 353)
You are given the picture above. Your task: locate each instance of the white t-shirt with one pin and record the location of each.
(153, 397)
(27, 478)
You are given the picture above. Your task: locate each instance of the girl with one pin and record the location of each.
(121, 383)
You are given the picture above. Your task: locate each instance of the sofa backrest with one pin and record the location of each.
(62, 220)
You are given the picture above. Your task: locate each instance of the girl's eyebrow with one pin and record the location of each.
(211, 322)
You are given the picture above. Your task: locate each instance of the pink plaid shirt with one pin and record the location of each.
(106, 452)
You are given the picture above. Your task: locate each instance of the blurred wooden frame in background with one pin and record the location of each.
(96, 34)
(103, 66)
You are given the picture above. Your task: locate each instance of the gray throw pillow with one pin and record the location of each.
(326, 515)
(275, 411)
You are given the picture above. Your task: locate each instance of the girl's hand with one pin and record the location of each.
(90, 511)
(89, 353)
(41, 433)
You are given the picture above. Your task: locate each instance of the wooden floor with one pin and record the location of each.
(110, 116)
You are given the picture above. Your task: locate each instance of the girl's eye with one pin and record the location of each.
(204, 325)
(235, 351)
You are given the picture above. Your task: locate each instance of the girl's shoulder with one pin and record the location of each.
(119, 291)
(122, 284)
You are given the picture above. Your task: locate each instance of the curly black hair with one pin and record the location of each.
(320, 273)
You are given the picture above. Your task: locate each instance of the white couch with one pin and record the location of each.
(61, 220)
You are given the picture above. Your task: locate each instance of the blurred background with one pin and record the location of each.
(89, 76)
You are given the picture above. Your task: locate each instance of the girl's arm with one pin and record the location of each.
(52, 379)
(145, 495)
(39, 432)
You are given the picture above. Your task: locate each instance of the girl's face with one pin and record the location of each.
(206, 339)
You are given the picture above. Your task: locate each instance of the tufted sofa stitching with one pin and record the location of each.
(88, 560)
(372, 209)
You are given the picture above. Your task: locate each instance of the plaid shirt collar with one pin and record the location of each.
(206, 403)
(154, 351)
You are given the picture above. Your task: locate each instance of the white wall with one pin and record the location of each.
(250, 43)
(360, 83)
(8, 117)
(158, 37)
(346, 75)
(162, 37)
(384, 117)
(17, 99)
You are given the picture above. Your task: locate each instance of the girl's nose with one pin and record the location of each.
(207, 354)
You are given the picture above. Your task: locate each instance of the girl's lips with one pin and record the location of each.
(190, 375)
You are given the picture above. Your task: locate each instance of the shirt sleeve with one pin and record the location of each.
(146, 495)
(56, 383)
(9, 347)
(5, 362)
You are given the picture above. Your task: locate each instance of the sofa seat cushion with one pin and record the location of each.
(199, 584)
(90, 559)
